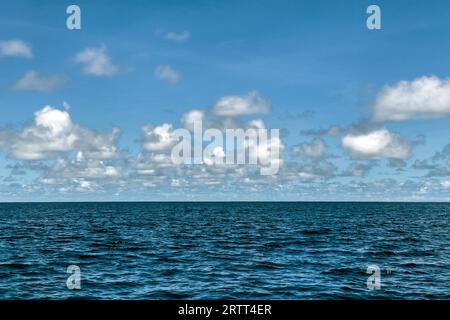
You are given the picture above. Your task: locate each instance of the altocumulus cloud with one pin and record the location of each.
(315, 149)
(15, 48)
(421, 98)
(189, 118)
(33, 81)
(53, 132)
(167, 74)
(251, 103)
(155, 167)
(158, 138)
(445, 184)
(68, 157)
(96, 62)
(377, 143)
(178, 36)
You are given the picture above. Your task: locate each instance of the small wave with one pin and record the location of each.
(341, 271)
(317, 231)
(268, 265)
(15, 265)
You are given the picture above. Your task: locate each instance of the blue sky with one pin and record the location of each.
(79, 106)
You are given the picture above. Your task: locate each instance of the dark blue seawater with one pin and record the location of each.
(225, 250)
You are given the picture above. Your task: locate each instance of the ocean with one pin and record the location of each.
(225, 250)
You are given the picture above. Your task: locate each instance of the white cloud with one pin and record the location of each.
(15, 48)
(445, 184)
(376, 144)
(420, 98)
(32, 81)
(357, 170)
(330, 131)
(96, 62)
(269, 152)
(189, 118)
(178, 36)
(315, 149)
(167, 74)
(84, 185)
(251, 103)
(64, 169)
(53, 132)
(257, 124)
(159, 138)
(217, 157)
(98, 145)
(317, 169)
(423, 189)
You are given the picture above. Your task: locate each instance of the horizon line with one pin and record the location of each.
(227, 201)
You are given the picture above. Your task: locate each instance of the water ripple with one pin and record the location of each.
(225, 250)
